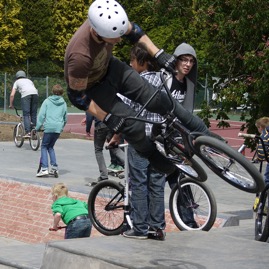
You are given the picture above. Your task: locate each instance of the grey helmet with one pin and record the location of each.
(20, 74)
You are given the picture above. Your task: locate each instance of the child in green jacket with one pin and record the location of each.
(74, 213)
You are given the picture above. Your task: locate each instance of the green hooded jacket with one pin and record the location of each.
(69, 208)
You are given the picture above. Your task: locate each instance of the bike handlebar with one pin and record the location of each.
(163, 85)
(116, 146)
(16, 109)
(247, 135)
(253, 136)
(58, 228)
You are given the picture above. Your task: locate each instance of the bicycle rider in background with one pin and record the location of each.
(262, 125)
(29, 100)
(94, 78)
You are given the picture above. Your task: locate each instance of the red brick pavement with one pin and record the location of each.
(26, 215)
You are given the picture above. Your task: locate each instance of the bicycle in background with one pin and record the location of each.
(261, 205)
(110, 208)
(19, 134)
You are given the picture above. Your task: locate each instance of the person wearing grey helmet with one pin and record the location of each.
(29, 100)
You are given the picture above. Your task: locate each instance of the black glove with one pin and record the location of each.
(79, 99)
(135, 34)
(166, 60)
(113, 122)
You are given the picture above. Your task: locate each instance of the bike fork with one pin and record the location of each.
(127, 222)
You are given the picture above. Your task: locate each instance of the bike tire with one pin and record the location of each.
(191, 168)
(200, 206)
(18, 135)
(34, 140)
(262, 218)
(105, 206)
(229, 164)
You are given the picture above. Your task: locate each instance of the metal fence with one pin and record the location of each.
(44, 86)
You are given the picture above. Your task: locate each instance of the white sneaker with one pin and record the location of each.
(53, 169)
(42, 173)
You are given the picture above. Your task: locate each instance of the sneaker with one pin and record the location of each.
(99, 179)
(158, 234)
(111, 167)
(53, 170)
(118, 168)
(256, 203)
(42, 172)
(28, 135)
(132, 234)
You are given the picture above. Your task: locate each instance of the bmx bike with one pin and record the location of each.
(262, 207)
(224, 161)
(19, 134)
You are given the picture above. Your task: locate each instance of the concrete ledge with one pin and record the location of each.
(22, 256)
(228, 220)
(193, 249)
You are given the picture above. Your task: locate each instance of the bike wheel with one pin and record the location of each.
(191, 168)
(262, 218)
(196, 210)
(34, 140)
(105, 205)
(18, 135)
(229, 164)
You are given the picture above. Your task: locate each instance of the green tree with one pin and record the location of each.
(12, 42)
(67, 17)
(235, 34)
(38, 32)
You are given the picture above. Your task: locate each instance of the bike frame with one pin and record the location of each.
(172, 124)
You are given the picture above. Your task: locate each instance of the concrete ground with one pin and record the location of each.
(231, 247)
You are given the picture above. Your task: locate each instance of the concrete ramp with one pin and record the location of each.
(182, 250)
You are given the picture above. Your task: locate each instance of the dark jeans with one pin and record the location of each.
(101, 134)
(121, 78)
(117, 156)
(89, 121)
(29, 105)
(78, 229)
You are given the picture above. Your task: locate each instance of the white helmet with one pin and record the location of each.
(108, 18)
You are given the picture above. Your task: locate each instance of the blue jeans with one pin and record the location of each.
(147, 197)
(48, 142)
(78, 229)
(29, 105)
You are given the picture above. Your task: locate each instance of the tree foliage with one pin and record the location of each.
(12, 41)
(236, 46)
(230, 38)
